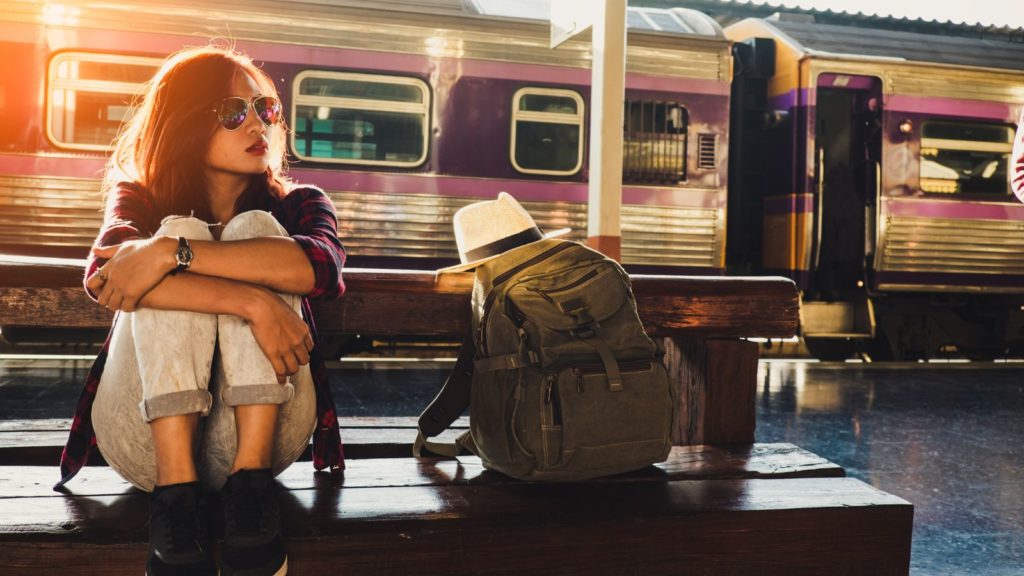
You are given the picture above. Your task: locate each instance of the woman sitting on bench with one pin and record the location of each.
(210, 377)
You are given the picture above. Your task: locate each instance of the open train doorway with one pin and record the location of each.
(847, 121)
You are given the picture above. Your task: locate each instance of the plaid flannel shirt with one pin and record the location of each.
(308, 216)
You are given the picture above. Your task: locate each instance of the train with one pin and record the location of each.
(870, 166)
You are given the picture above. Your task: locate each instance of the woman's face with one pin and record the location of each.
(245, 150)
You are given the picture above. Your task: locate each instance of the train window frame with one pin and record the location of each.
(76, 85)
(424, 108)
(965, 145)
(576, 119)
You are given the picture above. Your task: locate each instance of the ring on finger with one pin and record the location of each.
(101, 275)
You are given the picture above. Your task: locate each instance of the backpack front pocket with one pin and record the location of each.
(627, 429)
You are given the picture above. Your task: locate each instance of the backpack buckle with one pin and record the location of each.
(580, 312)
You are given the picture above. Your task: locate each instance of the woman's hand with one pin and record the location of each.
(133, 269)
(281, 334)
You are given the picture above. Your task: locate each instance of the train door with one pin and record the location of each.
(847, 146)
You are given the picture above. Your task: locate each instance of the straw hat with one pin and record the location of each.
(488, 229)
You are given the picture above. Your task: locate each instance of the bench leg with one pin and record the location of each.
(717, 382)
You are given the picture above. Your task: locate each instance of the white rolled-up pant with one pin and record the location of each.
(168, 363)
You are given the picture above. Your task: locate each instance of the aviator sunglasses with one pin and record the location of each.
(233, 110)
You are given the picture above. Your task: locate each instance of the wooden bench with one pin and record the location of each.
(720, 505)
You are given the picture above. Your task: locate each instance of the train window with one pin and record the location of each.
(547, 131)
(349, 118)
(965, 158)
(654, 142)
(90, 95)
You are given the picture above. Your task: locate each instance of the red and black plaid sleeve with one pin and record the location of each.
(308, 215)
(127, 217)
(82, 437)
(328, 451)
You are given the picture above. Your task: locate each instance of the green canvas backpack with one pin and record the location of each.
(561, 381)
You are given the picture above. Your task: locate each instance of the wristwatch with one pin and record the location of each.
(183, 255)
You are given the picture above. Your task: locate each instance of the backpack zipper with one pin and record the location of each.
(503, 277)
(551, 398)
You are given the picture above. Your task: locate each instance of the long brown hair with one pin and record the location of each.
(164, 145)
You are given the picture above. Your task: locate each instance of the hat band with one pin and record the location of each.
(507, 243)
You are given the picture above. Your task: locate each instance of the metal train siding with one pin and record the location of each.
(404, 114)
(401, 122)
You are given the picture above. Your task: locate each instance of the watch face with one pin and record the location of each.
(183, 255)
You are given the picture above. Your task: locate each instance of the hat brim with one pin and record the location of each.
(475, 263)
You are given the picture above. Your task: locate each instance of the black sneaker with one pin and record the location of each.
(252, 526)
(178, 541)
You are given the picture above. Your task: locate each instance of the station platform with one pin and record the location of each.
(947, 437)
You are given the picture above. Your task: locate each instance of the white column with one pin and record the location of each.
(607, 96)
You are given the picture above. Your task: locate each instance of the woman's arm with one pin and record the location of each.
(277, 263)
(125, 219)
(307, 263)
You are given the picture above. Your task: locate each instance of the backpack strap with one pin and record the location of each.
(611, 366)
(448, 405)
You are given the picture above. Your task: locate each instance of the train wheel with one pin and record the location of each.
(830, 349)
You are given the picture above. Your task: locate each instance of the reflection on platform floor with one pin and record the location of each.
(947, 437)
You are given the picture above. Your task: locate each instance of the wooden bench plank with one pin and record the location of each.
(699, 317)
(418, 303)
(44, 448)
(791, 526)
(685, 462)
(39, 442)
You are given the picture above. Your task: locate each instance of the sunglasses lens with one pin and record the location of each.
(268, 109)
(232, 112)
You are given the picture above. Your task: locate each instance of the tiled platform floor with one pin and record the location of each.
(948, 438)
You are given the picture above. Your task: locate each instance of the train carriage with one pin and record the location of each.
(868, 165)
(403, 112)
(886, 195)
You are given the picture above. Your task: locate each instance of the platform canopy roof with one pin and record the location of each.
(673, 20)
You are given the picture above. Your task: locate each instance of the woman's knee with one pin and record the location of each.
(253, 224)
(173, 325)
(188, 226)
